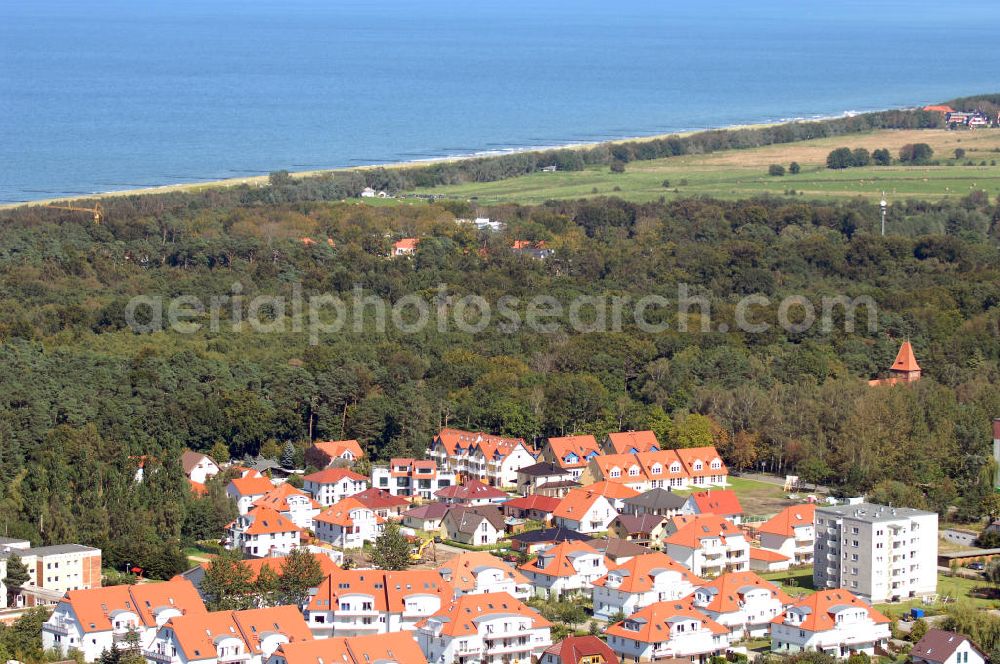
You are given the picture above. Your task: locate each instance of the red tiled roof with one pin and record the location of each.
(766, 555)
(624, 442)
(641, 569)
(703, 526)
(731, 587)
(574, 648)
(392, 647)
(277, 498)
(335, 448)
(93, 606)
(470, 490)
(252, 486)
(557, 557)
(334, 475)
(342, 513)
(376, 499)
(388, 590)
(575, 504)
(534, 502)
(820, 614)
(459, 617)
(720, 501)
(653, 625)
(451, 439)
(905, 359)
(265, 521)
(787, 520)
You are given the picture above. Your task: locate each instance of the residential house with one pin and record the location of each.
(323, 453)
(294, 504)
(471, 493)
(332, 485)
(532, 507)
(565, 568)
(665, 631)
(494, 627)
(405, 247)
(640, 582)
(383, 503)
(357, 602)
(743, 602)
(198, 467)
(538, 251)
(556, 488)
(491, 459)
(93, 620)
(722, 502)
(904, 368)
(616, 493)
(412, 478)
(878, 552)
(480, 572)
(676, 469)
(571, 453)
(942, 647)
(227, 636)
(579, 650)
(792, 533)
(709, 545)
(765, 560)
(52, 570)
(630, 442)
(532, 541)
(617, 551)
(248, 490)
(531, 477)
(647, 530)
(394, 648)
(659, 502)
(429, 517)
(348, 524)
(475, 526)
(585, 511)
(262, 532)
(836, 622)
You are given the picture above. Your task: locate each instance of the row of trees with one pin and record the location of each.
(914, 154)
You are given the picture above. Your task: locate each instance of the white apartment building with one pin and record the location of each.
(91, 621)
(641, 581)
(667, 630)
(348, 524)
(52, 570)
(484, 628)
(709, 545)
(792, 533)
(880, 553)
(198, 467)
(742, 602)
(494, 460)
(262, 532)
(565, 568)
(832, 621)
(479, 573)
(412, 478)
(248, 490)
(333, 485)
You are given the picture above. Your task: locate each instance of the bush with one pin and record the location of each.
(882, 157)
(618, 166)
(666, 184)
(840, 158)
(776, 170)
(916, 153)
(959, 153)
(861, 157)
(794, 168)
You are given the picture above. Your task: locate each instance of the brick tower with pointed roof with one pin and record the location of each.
(904, 368)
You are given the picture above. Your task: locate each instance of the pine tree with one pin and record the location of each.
(17, 576)
(391, 550)
(288, 456)
(300, 572)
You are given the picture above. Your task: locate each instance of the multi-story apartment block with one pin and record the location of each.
(742, 602)
(709, 545)
(334, 484)
(665, 631)
(832, 621)
(565, 568)
(412, 478)
(479, 573)
(396, 648)
(494, 627)
(696, 467)
(641, 581)
(792, 533)
(570, 453)
(263, 532)
(880, 553)
(494, 460)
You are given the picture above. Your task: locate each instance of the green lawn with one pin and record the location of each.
(796, 582)
(743, 173)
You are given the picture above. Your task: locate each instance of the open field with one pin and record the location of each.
(743, 173)
(757, 498)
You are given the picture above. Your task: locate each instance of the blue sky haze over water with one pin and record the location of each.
(98, 95)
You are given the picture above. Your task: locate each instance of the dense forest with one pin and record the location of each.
(84, 399)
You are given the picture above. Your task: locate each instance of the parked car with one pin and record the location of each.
(979, 567)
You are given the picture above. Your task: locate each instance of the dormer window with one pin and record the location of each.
(716, 464)
(698, 465)
(656, 469)
(675, 468)
(633, 471)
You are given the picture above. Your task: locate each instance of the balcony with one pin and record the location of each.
(120, 636)
(157, 656)
(236, 658)
(498, 647)
(57, 628)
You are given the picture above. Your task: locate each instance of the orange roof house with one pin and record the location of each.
(723, 502)
(199, 636)
(333, 475)
(904, 368)
(347, 450)
(638, 574)
(656, 626)
(462, 617)
(251, 486)
(785, 522)
(463, 573)
(631, 442)
(824, 613)
(94, 607)
(343, 513)
(570, 452)
(580, 650)
(585, 511)
(394, 647)
(939, 108)
(277, 498)
(741, 601)
(406, 246)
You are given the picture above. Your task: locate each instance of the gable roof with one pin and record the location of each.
(767, 555)
(342, 513)
(275, 563)
(658, 499)
(690, 455)
(335, 448)
(721, 501)
(612, 490)
(821, 607)
(549, 535)
(559, 559)
(905, 359)
(938, 645)
(406, 243)
(727, 590)
(615, 549)
(625, 442)
(251, 486)
(334, 475)
(388, 590)
(277, 498)
(534, 502)
(542, 469)
(94, 606)
(703, 526)
(646, 523)
(197, 635)
(467, 519)
(576, 503)
(452, 439)
(265, 521)
(390, 648)
(653, 622)
(787, 520)
(470, 490)
(574, 648)
(581, 446)
(462, 569)
(459, 618)
(428, 511)
(191, 459)
(638, 573)
(376, 498)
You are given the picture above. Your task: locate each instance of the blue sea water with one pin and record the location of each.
(98, 95)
